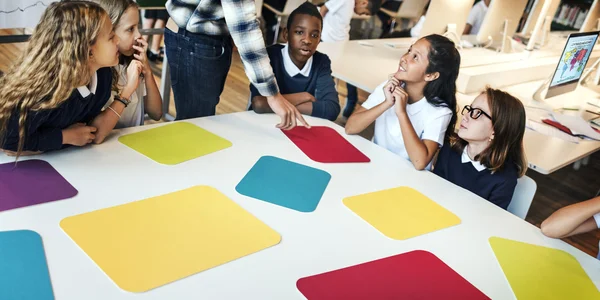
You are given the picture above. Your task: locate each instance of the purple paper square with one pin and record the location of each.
(31, 182)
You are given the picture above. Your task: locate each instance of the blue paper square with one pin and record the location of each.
(23, 268)
(285, 183)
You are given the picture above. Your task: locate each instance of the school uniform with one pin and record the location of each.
(314, 78)
(134, 113)
(430, 123)
(460, 169)
(44, 127)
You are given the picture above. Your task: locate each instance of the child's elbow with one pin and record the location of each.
(419, 166)
(259, 107)
(551, 231)
(157, 115)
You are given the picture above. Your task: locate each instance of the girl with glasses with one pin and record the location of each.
(486, 155)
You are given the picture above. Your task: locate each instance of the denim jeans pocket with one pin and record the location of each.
(205, 51)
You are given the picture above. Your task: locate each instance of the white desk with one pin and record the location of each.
(367, 66)
(330, 238)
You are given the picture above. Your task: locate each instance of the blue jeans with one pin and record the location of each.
(199, 66)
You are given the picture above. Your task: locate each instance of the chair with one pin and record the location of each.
(522, 197)
(290, 5)
(409, 9)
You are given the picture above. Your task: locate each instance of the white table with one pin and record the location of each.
(330, 238)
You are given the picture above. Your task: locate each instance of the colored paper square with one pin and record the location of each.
(536, 272)
(145, 244)
(413, 275)
(401, 213)
(285, 183)
(23, 268)
(31, 182)
(175, 143)
(324, 144)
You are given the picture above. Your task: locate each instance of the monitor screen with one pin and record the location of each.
(574, 58)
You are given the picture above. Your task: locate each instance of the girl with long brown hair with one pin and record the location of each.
(486, 155)
(60, 82)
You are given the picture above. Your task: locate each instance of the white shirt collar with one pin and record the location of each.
(291, 68)
(416, 107)
(85, 91)
(465, 159)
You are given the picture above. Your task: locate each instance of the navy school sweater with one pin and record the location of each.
(44, 127)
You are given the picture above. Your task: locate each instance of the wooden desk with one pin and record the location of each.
(330, 238)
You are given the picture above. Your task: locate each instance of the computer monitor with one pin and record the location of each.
(534, 14)
(591, 19)
(492, 30)
(444, 12)
(572, 62)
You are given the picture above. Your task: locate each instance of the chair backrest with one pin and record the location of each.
(412, 9)
(522, 197)
(290, 5)
(259, 4)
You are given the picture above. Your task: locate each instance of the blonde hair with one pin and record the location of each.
(115, 10)
(508, 115)
(55, 62)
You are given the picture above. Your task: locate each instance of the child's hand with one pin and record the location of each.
(78, 134)
(142, 48)
(134, 70)
(401, 99)
(389, 88)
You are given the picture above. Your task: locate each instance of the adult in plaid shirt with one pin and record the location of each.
(199, 56)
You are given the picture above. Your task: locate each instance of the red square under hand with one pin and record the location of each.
(324, 144)
(413, 275)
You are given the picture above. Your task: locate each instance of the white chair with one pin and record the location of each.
(523, 196)
(409, 9)
(290, 5)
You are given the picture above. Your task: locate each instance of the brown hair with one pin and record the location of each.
(508, 116)
(54, 63)
(115, 10)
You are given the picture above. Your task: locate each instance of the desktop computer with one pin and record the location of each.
(570, 67)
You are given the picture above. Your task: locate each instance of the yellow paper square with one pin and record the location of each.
(401, 213)
(174, 143)
(145, 244)
(536, 272)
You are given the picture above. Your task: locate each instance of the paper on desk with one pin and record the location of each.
(577, 125)
(551, 131)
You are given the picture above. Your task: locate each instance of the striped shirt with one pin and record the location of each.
(230, 17)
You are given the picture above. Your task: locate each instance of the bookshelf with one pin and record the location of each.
(571, 14)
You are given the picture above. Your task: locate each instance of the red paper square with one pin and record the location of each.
(413, 275)
(324, 144)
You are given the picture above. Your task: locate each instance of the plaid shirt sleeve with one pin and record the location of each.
(240, 16)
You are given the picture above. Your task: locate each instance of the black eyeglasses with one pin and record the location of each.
(475, 113)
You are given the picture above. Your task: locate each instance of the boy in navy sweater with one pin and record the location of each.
(302, 73)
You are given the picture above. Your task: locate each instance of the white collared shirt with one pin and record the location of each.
(476, 164)
(430, 123)
(84, 91)
(291, 68)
